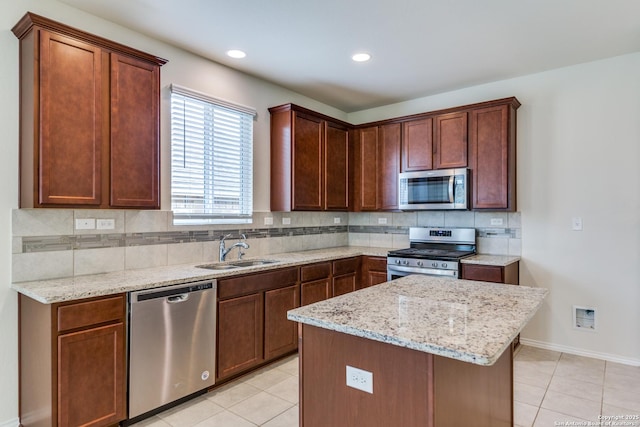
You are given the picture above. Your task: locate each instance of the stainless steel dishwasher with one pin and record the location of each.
(172, 343)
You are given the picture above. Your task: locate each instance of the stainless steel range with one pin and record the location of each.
(432, 251)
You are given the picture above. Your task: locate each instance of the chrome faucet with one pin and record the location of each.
(224, 251)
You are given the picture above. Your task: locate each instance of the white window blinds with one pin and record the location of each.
(211, 159)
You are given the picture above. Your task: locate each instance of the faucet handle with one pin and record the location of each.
(244, 236)
(225, 237)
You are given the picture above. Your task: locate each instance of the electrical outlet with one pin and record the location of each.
(359, 379)
(286, 221)
(85, 224)
(382, 220)
(106, 224)
(496, 221)
(268, 220)
(336, 220)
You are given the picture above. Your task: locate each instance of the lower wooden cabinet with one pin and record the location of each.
(374, 270)
(315, 282)
(72, 362)
(346, 275)
(252, 319)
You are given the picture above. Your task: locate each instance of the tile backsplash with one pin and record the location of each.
(47, 245)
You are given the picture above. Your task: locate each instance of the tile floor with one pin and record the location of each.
(550, 389)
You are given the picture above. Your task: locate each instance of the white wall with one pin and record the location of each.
(184, 69)
(578, 155)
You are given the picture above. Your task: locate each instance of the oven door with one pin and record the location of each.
(397, 271)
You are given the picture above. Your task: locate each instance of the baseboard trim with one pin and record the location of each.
(11, 423)
(581, 352)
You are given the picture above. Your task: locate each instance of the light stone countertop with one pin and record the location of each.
(79, 287)
(461, 319)
(496, 260)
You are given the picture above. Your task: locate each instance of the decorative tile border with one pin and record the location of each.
(32, 244)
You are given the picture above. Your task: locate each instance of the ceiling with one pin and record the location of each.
(418, 47)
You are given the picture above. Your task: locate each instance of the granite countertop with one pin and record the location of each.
(79, 287)
(497, 260)
(461, 319)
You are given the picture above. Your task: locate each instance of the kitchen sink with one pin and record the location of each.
(237, 264)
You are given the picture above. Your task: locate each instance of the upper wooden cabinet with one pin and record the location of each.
(438, 142)
(376, 167)
(309, 160)
(492, 155)
(89, 119)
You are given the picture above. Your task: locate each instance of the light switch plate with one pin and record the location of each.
(336, 220)
(576, 223)
(382, 220)
(286, 221)
(497, 221)
(106, 224)
(268, 220)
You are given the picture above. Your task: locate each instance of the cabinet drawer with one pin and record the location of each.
(311, 272)
(89, 313)
(485, 273)
(377, 263)
(344, 266)
(252, 283)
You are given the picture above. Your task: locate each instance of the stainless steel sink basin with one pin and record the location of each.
(237, 264)
(250, 263)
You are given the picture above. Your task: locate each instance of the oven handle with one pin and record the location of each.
(421, 270)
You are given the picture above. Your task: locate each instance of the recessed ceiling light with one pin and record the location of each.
(361, 57)
(235, 53)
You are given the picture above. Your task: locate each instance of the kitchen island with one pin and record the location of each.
(435, 351)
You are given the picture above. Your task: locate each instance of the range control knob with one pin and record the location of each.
(419, 263)
(434, 264)
(405, 262)
(397, 261)
(444, 265)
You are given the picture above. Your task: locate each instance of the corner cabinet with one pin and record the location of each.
(72, 362)
(89, 119)
(309, 161)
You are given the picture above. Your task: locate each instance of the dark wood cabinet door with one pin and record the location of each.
(240, 334)
(317, 290)
(388, 166)
(450, 144)
(307, 162)
(344, 284)
(374, 269)
(135, 143)
(91, 377)
(366, 170)
(280, 334)
(376, 277)
(492, 158)
(492, 273)
(417, 145)
(70, 126)
(336, 170)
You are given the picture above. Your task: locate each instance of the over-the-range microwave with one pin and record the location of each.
(434, 189)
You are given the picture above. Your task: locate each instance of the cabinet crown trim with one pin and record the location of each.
(30, 20)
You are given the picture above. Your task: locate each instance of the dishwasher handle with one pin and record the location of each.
(175, 299)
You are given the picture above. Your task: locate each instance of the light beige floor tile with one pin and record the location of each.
(537, 354)
(266, 378)
(290, 366)
(571, 405)
(621, 381)
(572, 359)
(528, 374)
(590, 374)
(288, 418)
(230, 394)
(616, 410)
(261, 408)
(577, 388)
(529, 394)
(225, 419)
(287, 390)
(620, 369)
(547, 418)
(523, 414)
(190, 413)
(622, 398)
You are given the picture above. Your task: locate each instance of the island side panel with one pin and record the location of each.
(473, 395)
(402, 382)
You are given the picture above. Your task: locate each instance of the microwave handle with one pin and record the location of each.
(452, 179)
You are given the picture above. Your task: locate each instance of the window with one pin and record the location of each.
(211, 159)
